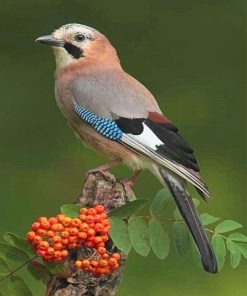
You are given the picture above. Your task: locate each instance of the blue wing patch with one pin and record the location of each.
(105, 127)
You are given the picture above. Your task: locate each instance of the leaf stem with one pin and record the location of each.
(18, 268)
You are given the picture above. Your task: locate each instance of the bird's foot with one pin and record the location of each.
(103, 169)
(129, 183)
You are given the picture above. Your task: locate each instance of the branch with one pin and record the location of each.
(98, 189)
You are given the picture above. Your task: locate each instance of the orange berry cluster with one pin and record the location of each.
(51, 238)
(103, 264)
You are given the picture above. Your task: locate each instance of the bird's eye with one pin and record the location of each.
(80, 37)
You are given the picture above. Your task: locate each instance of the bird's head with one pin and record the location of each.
(73, 43)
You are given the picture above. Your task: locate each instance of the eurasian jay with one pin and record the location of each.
(116, 115)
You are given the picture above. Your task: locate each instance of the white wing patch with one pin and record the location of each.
(146, 143)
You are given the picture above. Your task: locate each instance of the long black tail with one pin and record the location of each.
(189, 213)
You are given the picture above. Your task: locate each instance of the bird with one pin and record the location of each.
(114, 114)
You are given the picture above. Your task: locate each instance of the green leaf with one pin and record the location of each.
(39, 271)
(138, 232)
(17, 287)
(196, 255)
(119, 234)
(243, 249)
(239, 237)
(58, 269)
(159, 239)
(12, 254)
(219, 247)
(235, 254)
(18, 242)
(177, 216)
(129, 209)
(227, 225)
(160, 202)
(70, 210)
(208, 219)
(181, 239)
(196, 202)
(4, 268)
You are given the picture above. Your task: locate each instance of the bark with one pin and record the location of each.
(98, 189)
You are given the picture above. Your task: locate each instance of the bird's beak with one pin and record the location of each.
(50, 40)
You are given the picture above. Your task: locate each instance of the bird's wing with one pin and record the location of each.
(122, 109)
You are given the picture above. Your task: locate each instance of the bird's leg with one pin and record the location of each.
(129, 183)
(104, 169)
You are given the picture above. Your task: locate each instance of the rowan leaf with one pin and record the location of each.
(239, 237)
(235, 253)
(119, 234)
(58, 269)
(227, 225)
(159, 240)
(129, 209)
(139, 237)
(181, 239)
(208, 219)
(70, 210)
(17, 287)
(4, 268)
(243, 249)
(219, 247)
(18, 242)
(39, 271)
(12, 254)
(160, 202)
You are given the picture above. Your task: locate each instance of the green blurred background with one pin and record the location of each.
(190, 54)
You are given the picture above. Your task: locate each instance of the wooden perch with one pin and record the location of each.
(98, 189)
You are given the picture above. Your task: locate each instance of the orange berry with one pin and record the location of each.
(105, 222)
(112, 261)
(57, 254)
(43, 245)
(41, 232)
(82, 235)
(83, 217)
(65, 241)
(78, 264)
(99, 209)
(65, 234)
(60, 227)
(76, 222)
(83, 211)
(72, 239)
(66, 221)
(44, 223)
(90, 219)
(102, 244)
(97, 218)
(85, 263)
(53, 220)
(91, 231)
(106, 229)
(42, 219)
(101, 250)
(60, 217)
(91, 211)
(35, 226)
(58, 259)
(50, 251)
(104, 216)
(116, 266)
(47, 257)
(105, 256)
(98, 239)
(56, 239)
(41, 253)
(73, 231)
(105, 238)
(50, 233)
(37, 239)
(116, 256)
(98, 227)
(31, 235)
(90, 238)
(84, 227)
(94, 263)
(54, 227)
(64, 253)
(58, 247)
(72, 246)
(103, 263)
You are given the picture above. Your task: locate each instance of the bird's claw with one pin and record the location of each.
(127, 186)
(107, 175)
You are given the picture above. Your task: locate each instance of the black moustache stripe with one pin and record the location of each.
(73, 50)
